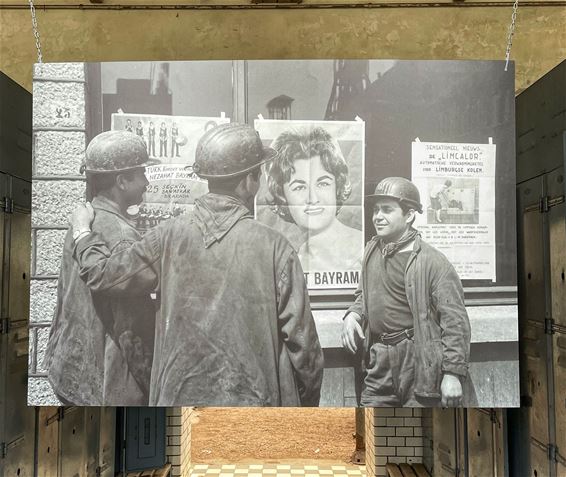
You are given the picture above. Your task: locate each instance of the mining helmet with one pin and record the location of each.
(116, 151)
(400, 189)
(229, 150)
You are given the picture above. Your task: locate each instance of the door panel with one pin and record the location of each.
(19, 420)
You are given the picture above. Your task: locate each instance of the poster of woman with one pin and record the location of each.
(313, 193)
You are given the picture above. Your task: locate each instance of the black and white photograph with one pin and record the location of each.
(295, 233)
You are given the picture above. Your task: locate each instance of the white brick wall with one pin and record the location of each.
(394, 435)
(174, 431)
(179, 440)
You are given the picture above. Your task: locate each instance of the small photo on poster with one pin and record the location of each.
(312, 192)
(453, 201)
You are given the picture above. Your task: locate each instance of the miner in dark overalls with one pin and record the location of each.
(100, 349)
(235, 326)
(409, 311)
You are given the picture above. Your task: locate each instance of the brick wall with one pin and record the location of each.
(59, 122)
(174, 432)
(396, 435)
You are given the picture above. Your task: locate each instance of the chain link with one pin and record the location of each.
(510, 34)
(35, 32)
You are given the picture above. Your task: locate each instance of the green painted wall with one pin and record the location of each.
(404, 33)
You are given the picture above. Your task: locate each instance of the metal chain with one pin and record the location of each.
(510, 34)
(35, 32)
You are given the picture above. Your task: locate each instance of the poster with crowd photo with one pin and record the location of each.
(312, 192)
(457, 183)
(172, 141)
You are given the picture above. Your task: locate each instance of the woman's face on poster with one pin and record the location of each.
(311, 194)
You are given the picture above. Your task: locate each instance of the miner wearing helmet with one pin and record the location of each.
(100, 348)
(409, 311)
(235, 326)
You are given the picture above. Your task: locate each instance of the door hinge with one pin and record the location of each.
(552, 452)
(58, 416)
(4, 325)
(100, 469)
(549, 326)
(8, 205)
(543, 205)
(5, 446)
(493, 416)
(547, 202)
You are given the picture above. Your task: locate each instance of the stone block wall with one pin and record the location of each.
(59, 140)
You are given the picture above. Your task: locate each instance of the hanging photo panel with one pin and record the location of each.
(293, 233)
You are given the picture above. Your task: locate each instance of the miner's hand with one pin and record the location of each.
(82, 217)
(352, 332)
(451, 390)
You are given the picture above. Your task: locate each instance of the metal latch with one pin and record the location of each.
(8, 205)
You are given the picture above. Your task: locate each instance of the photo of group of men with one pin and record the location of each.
(279, 365)
(174, 295)
(164, 135)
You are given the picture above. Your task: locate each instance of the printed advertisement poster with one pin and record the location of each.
(172, 140)
(457, 186)
(312, 192)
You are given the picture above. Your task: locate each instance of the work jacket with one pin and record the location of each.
(441, 325)
(100, 351)
(235, 326)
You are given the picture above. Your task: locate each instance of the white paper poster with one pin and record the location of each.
(313, 193)
(457, 187)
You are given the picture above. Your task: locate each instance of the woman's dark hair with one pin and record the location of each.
(305, 143)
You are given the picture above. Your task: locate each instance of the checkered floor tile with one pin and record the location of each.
(277, 470)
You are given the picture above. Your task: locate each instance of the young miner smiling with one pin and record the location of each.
(409, 311)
